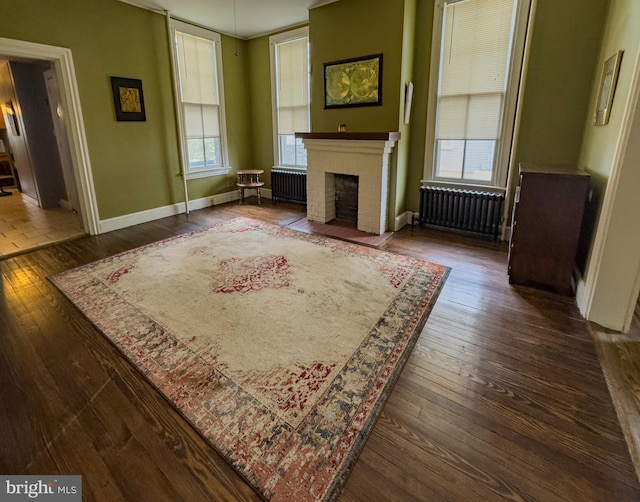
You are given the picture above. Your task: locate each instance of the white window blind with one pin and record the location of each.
(196, 66)
(201, 121)
(292, 62)
(200, 101)
(473, 72)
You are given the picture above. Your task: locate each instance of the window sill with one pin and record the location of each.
(206, 173)
(463, 186)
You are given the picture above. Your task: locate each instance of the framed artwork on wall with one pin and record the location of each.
(608, 81)
(11, 117)
(128, 99)
(353, 82)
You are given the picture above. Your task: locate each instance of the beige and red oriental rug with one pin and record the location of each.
(280, 347)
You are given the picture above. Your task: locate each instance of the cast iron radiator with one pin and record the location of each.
(478, 212)
(288, 185)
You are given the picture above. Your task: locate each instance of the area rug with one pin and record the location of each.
(279, 347)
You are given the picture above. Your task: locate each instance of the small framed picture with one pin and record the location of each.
(608, 81)
(128, 99)
(11, 117)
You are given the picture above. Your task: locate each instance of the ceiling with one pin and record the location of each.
(252, 18)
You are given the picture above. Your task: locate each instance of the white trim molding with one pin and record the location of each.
(62, 60)
(512, 169)
(402, 220)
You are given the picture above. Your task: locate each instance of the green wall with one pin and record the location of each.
(600, 142)
(356, 28)
(235, 69)
(135, 164)
(562, 63)
(260, 98)
(563, 59)
(622, 33)
(615, 275)
(259, 76)
(564, 48)
(418, 130)
(351, 29)
(400, 166)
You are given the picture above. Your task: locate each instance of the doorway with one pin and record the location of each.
(76, 199)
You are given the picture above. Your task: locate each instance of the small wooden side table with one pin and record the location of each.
(250, 180)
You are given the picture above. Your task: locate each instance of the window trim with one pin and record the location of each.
(204, 172)
(505, 143)
(273, 41)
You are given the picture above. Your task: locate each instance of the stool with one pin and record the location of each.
(250, 180)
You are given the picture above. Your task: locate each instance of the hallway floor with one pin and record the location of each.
(24, 226)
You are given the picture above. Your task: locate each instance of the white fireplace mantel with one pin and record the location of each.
(365, 155)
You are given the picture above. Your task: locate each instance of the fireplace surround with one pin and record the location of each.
(365, 155)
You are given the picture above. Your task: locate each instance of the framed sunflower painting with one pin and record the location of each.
(353, 82)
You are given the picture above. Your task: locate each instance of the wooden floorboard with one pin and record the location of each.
(620, 358)
(503, 397)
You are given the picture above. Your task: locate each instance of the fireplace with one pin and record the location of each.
(363, 155)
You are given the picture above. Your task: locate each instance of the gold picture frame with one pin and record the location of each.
(607, 89)
(353, 82)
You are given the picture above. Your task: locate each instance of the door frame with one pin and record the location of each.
(62, 60)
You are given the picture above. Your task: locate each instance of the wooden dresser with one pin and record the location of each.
(547, 216)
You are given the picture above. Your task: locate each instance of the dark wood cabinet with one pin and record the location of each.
(547, 215)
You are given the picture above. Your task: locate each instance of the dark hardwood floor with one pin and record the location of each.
(503, 397)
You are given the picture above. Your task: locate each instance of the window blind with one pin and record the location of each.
(292, 60)
(473, 73)
(201, 121)
(196, 66)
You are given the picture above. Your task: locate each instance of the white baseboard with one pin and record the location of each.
(507, 233)
(131, 219)
(402, 220)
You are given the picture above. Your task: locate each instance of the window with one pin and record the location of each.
(476, 69)
(199, 76)
(290, 84)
